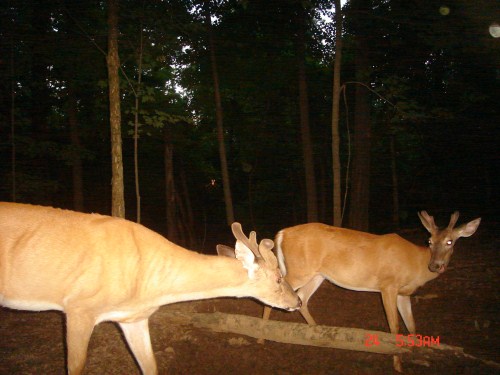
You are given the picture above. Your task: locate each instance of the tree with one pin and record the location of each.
(305, 132)
(219, 114)
(359, 197)
(337, 209)
(113, 63)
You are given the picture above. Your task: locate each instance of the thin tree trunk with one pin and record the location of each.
(113, 62)
(307, 149)
(395, 185)
(136, 128)
(337, 213)
(41, 168)
(220, 126)
(13, 123)
(187, 211)
(170, 194)
(360, 181)
(76, 159)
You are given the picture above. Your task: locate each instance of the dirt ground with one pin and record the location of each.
(460, 307)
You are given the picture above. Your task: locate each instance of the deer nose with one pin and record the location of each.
(437, 266)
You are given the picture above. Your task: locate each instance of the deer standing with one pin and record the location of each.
(310, 253)
(98, 268)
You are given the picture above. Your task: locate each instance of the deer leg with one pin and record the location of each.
(265, 316)
(389, 299)
(305, 293)
(139, 342)
(404, 307)
(79, 328)
(267, 312)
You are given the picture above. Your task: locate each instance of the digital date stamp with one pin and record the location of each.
(404, 340)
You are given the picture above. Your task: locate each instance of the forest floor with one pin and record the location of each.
(460, 307)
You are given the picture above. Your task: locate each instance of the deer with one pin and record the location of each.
(97, 268)
(310, 253)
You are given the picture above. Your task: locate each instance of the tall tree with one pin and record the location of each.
(219, 114)
(337, 209)
(76, 153)
(307, 148)
(113, 63)
(359, 198)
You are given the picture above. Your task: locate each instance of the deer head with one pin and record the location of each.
(442, 241)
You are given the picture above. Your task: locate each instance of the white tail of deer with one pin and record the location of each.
(98, 268)
(311, 253)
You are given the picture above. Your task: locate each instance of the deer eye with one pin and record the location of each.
(279, 279)
(429, 242)
(449, 242)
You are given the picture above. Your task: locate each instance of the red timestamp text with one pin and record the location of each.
(402, 340)
(416, 340)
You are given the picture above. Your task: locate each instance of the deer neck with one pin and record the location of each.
(210, 277)
(425, 274)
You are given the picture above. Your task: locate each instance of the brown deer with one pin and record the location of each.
(98, 268)
(310, 253)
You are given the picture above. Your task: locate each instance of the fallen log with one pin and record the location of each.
(418, 350)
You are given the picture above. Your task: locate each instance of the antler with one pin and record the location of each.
(427, 221)
(453, 220)
(251, 242)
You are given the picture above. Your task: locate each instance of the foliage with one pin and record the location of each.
(439, 73)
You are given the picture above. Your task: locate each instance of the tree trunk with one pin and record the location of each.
(337, 213)
(137, 94)
(76, 159)
(322, 336)
(170, 194)
(113, 62)
(41, 168)
(186, 211)
(395, 185)
(13, 159)
(307, 148)
(220, 126)
(360, 178)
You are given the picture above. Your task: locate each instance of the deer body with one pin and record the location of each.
(97, 268)
(310, 253)
(352, 259)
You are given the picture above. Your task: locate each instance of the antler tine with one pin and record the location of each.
(240, 236)
(429, 218)
(253, 238)
(453, 219)
(267, 243)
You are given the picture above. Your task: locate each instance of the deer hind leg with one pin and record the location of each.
(389, 299)
(79, 328)
(139, 342)
(305, 293)
(404, 307)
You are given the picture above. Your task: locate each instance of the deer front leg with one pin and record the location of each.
(404, 307)
(265, 316)
(389, 299)
(79, 328)
(305, 293)
(139, 342)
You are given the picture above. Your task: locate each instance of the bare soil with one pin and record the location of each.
(460, 307)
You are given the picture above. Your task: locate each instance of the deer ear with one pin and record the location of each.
(467, 230)
(247, 258)
(225, 251)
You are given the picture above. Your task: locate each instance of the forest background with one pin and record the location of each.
(418, 129)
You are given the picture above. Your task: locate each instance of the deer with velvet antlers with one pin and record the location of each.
(98, 268)
(310, 253)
